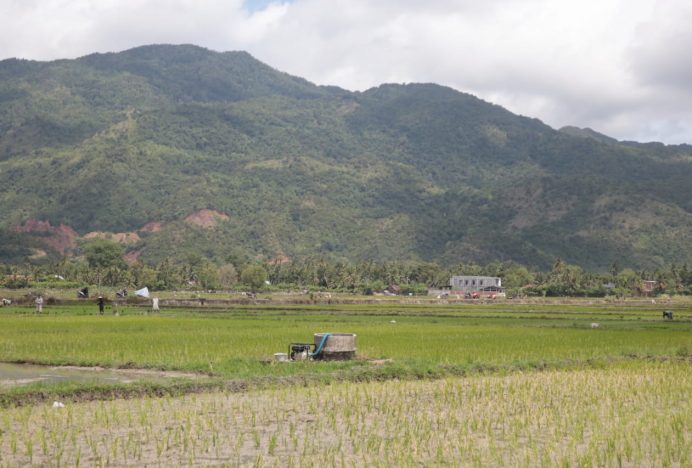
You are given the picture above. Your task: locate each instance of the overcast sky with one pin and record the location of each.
(621, 67)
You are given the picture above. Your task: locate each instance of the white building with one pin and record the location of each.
(468, 284)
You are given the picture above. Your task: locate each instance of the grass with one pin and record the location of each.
(238, 343)
(233, 343)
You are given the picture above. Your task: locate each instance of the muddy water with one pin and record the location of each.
(22, 374)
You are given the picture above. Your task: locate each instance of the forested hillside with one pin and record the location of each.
(140, 141)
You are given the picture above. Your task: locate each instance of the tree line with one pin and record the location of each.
(102, 264)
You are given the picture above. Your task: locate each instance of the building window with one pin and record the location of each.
(473, 282)
(481, 282)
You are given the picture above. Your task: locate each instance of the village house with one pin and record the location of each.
(471, 286)
(648, 287)
(486, 285)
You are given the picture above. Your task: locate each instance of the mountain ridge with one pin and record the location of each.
(110, 142)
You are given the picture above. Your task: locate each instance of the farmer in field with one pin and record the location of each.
(155, 304)
(39, 304)
(102, 304)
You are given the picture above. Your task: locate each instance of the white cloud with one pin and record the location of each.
(617, 66)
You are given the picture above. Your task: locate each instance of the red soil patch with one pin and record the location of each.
(206, 218)
(38, 253)
(152, 226)
(280, 260)
(132, 257)
(60, 238)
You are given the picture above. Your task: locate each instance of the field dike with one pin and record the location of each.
(174, 383)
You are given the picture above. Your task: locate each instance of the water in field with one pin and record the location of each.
(23, 374)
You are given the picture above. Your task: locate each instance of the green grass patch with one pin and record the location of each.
(415, 342)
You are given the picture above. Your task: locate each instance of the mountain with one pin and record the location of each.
(588, 133)
(134, 145)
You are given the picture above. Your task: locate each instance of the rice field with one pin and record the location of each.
(498, 385)
(639, 414)
(236, 342)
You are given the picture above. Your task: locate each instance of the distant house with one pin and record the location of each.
(648, 287)
(471, 284)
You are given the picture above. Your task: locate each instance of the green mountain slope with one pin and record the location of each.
(111, 142)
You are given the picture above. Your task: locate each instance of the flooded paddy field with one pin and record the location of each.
(22, 374)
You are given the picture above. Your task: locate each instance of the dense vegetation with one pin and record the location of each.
(103, 266)
(110, 142)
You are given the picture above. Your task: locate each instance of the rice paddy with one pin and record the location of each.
(634, 415)
(447, 385)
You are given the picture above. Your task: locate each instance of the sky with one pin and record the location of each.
(620, 67)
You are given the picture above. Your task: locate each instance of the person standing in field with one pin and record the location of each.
(155, 304)
(102, 304)
(39, 304)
